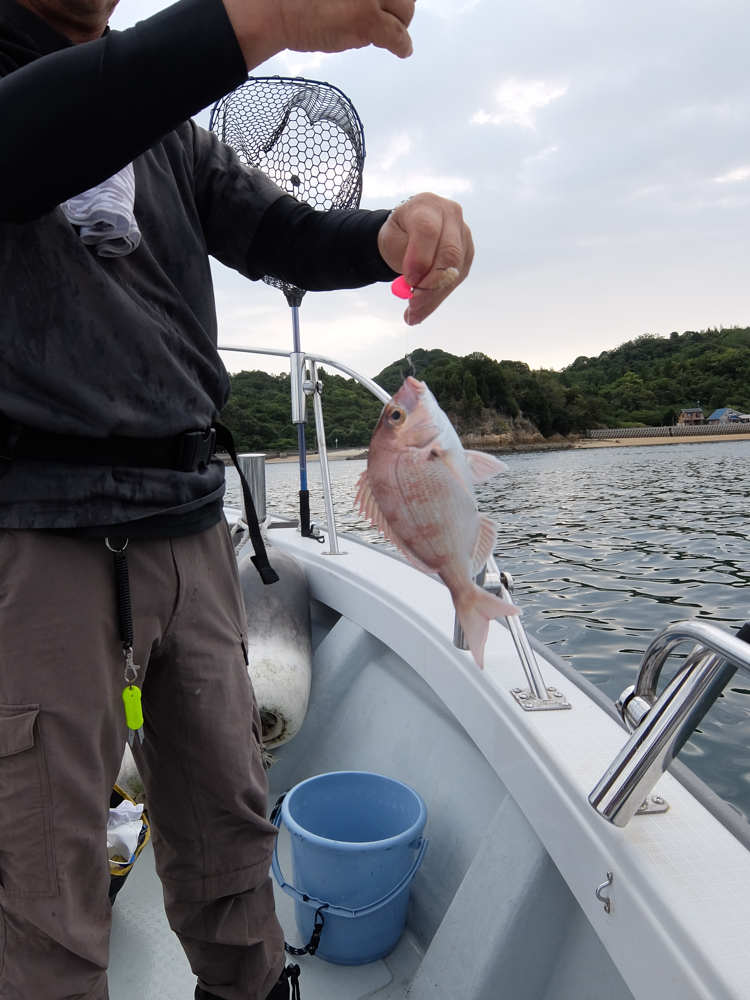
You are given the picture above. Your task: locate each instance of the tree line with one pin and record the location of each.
(259, 412)
(644, 382)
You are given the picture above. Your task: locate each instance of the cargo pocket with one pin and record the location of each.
(27, 865)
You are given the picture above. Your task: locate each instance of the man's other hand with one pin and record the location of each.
(427, 240)
(265, 27)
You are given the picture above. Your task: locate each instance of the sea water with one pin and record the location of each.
(607, 546)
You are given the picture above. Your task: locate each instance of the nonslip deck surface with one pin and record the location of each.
(147, 962)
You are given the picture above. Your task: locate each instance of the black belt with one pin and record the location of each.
(187, 452)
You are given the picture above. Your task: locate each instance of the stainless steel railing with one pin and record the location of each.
(302, 388)
(661, 725)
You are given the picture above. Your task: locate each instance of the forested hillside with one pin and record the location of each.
(646, 381)
(650, 379)
(259, 412)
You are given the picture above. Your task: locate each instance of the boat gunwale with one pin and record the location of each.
(721, 810)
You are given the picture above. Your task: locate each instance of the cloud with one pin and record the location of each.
(535, 173)
(399, 145)
(388, 185)
(301, 63)
(648, 191)
(636, 221)
(734, 176)
(518, 100)
(448, 9)
(543, 154)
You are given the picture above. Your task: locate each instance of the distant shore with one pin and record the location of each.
(354, 454)
(334, 455)
(561, 444)
(641, 441)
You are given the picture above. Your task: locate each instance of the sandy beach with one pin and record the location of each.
(641, 441)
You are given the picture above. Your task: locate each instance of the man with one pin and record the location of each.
(116, 570)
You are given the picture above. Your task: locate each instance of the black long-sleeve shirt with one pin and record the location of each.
(126, 346)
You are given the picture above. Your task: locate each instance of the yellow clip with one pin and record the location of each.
(131, 697)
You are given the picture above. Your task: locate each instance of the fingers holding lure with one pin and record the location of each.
(427, 241)
(403, 290)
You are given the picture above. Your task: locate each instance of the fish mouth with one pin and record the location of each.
(409, 394)
(416, 401)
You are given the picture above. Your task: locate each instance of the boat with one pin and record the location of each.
(570, 856)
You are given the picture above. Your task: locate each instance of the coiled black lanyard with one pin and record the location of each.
(131, 695)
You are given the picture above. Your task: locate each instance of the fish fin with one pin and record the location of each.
(483, 466)
(363, 484)
(485, 543)
(368, 506)
(476, 608)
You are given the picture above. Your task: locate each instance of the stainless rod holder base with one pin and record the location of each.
(654, 804)
(529, 702)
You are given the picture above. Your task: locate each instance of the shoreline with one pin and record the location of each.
(355, 454)
(334, 455)
(647, 441)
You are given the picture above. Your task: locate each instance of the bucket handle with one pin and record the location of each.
(343, 911)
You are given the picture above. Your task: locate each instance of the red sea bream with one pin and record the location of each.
(417, 490)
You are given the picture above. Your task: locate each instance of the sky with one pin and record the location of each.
(600, 150)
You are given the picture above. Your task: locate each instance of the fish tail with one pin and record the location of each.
(476, 608)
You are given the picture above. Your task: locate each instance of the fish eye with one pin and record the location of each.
(396, 415)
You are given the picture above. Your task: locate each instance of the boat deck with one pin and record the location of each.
(147, 961)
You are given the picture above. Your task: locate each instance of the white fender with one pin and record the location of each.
(279, 643)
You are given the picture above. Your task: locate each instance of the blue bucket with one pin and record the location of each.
(356, 846)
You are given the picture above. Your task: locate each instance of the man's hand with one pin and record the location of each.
(427, 240)
(265, 27)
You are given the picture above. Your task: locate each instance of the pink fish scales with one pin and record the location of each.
(417, 490)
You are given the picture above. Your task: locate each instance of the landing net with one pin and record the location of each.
(303, 134)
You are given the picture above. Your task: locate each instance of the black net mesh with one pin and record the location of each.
(303, 134)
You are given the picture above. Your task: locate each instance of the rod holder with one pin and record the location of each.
(297, 378)
(661, 725)
(314, 388)
(253, 466)
(537, 697)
